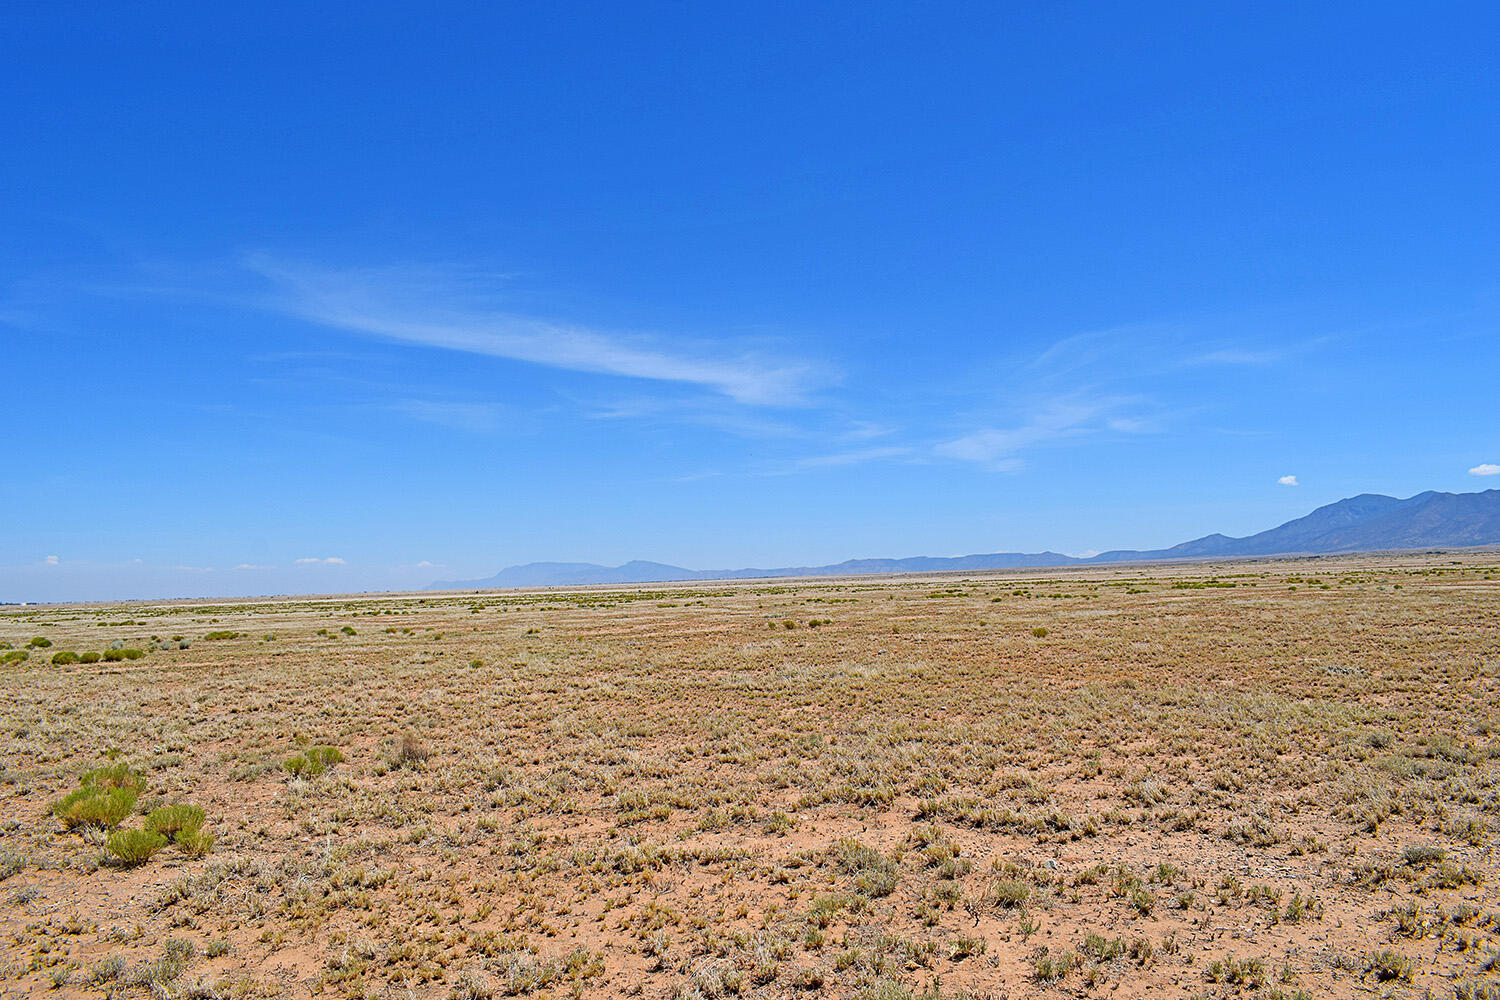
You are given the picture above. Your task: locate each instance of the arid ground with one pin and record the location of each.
(1272, 779)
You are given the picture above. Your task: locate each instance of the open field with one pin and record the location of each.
(1272, 779)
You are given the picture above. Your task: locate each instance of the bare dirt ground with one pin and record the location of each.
(1271, 779)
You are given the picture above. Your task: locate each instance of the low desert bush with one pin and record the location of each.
(92, 806)
(195, 843)
(134, 847)
(313, 761)
(170, 820)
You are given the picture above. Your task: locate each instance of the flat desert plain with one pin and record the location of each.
(1271, 780)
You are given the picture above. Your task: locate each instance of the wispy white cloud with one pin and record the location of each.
(455, 310)
(252, 566)
(1143, 349)
(315, 560)
(52, 561)
(1237, 356)
(1000, 447)
(1485, 469)
(856, 457)
(1288, 481)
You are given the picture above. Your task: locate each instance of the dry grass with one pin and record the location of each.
(1279, 781)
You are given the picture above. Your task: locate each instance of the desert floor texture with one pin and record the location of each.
(1274, 779)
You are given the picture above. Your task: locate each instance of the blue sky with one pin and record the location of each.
(300, 301)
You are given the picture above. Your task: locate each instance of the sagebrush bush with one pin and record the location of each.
(64, 657)
(89, 657)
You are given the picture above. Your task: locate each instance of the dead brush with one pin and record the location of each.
(409, 752)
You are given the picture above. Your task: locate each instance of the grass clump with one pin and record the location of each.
(1250, 972)
(64, 657)
(1049, 968)
(171, 820)
(874, 873)
(1418, 855)
(134, 847)
(104, 798)
(313, 761)
(114, 776)
(1388, 965)
(1009, 893)
(195, 842)
(410, 752)
(95, 807)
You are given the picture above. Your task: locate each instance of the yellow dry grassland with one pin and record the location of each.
(1273, 780)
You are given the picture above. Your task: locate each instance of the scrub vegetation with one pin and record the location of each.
(1273, 780)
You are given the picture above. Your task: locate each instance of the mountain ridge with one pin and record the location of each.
(1368, 522)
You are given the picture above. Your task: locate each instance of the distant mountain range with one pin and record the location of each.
(1369, 522)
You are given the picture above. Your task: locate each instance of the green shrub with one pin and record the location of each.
(96, 806)
(194, 843)
(114, 776)
(39, 643)
(222, 634)
(89, 657)
(134, 847)
(303, 766)
(15, 656)
(171, 820)
(327, 756)
(347, 630)
(1039, 632)
(64, 657)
